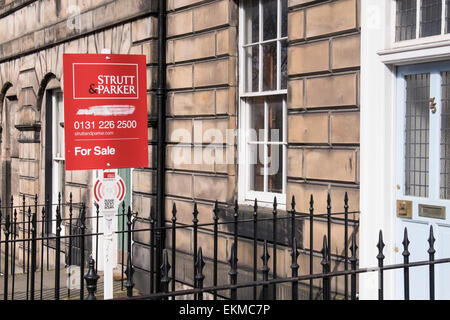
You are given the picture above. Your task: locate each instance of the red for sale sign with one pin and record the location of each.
(105, 111)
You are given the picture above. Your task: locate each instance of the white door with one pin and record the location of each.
(423, 173)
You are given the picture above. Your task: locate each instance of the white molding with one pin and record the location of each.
(418, 12)
(419, 53)
(377, 172)
(264, 93)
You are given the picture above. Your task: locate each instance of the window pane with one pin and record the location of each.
(283, 64)
(252, 68)
(447, 16)
(417, 135)
(275, 107)
(405, 26)
(430, 17)
(256, 161)
(269, 19)
(275, 169)
(284, 12)
(251, 20)
(256, 119)
(58, 119)
(270, 66)
(445, 137)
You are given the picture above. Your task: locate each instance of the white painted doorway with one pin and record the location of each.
(423, 173)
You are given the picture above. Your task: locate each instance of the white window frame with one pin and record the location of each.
(58, 165)
(418, 40)
(245, 195)
(419, 50)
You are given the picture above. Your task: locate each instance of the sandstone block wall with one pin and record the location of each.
(202, 80)
(36, 35)
(323, 108)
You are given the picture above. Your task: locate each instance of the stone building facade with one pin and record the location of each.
(311, 72)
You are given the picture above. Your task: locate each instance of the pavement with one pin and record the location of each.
(45, 286)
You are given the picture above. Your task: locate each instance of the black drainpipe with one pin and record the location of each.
(161, 146)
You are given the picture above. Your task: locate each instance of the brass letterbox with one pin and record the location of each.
(404, 209)
(429, 211)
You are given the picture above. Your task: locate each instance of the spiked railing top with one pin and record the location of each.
(199, 265)
(255, 208)
(70, 206)
(233, 260)
(380, 247)
(58, 219)
(346, 201)
(311, 204)
(324, 252)
(265, 258)
(83, 216)
(236, 209)
(195, 213)
(274, 211)
(431, 241)
(216, 211)
(165, 267)
(129, 216)
(174, 212)
(293, 205)
(405, 243)
(353, 248)
(328, 201)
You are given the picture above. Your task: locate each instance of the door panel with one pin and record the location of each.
(422, 158)
(442, 270)
(418, 236)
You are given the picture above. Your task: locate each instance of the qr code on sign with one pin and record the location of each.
(109, 203)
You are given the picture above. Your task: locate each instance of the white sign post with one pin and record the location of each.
(109, 191)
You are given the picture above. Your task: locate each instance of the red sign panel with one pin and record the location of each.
(105, 111)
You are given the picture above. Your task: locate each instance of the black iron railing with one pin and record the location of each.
(167, 269)
(41, 256)
(77, 242)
